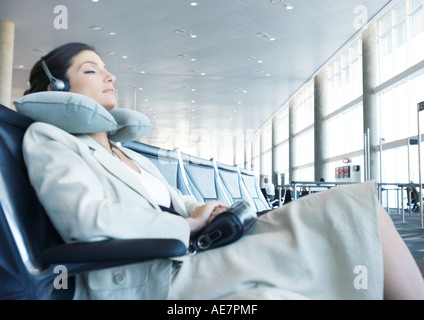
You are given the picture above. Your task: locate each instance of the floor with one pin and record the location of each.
(412, 233)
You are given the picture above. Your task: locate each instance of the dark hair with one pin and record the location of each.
(58, 61)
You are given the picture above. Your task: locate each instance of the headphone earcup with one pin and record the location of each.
(56, 84)
(59, 85)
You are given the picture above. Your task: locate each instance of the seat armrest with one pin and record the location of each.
(112, 252)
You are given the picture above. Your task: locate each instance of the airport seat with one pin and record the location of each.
(252, 185)
(165, 160)
(233, 182)
(30, 247)
(203, 179)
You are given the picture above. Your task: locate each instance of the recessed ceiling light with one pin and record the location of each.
(255, 59)
(241, 90)
(198, 72)
(183, 31)
(288, 7)
(265, 35)
(112, 33)
(193, 4)
(97, 28)
(262, 34)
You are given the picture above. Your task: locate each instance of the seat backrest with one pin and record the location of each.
(252, 185)
(233, 182)
(25, 230)
(165, 160)
(203, 180)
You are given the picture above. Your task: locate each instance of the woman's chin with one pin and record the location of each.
(109, 106)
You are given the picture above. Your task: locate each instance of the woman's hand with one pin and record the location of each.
(204, 214)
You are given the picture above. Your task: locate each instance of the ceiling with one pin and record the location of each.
(199, 72)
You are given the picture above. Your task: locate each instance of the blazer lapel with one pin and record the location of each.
(117, 169)
(120, 172)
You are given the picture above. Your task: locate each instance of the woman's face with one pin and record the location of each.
(88, 76)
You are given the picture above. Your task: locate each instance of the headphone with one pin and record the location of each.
(57, 84)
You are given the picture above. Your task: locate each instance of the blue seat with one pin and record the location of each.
(252, 185)
(233, 182)
(203, 180)
(30, 247)
(165, 160)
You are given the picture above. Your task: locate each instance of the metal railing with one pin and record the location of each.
(317, 186)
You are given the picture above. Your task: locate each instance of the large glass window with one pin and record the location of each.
(343, 121)
(398, 123)
(344, 132)
(281, 139)
(401, 39)
(266, 150)
(344, 76)
(256, 155)
(303, 139)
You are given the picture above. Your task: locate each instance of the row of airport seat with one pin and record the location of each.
(204, 179)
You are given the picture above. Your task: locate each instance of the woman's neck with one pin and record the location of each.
(101, 138)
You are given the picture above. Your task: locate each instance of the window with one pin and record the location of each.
(401, 38)
(344, 77)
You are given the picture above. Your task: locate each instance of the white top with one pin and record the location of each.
(270, 189)
(154, 186)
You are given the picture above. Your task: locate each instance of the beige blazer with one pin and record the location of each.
(89, 195)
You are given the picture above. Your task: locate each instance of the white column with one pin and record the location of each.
(7, 36)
